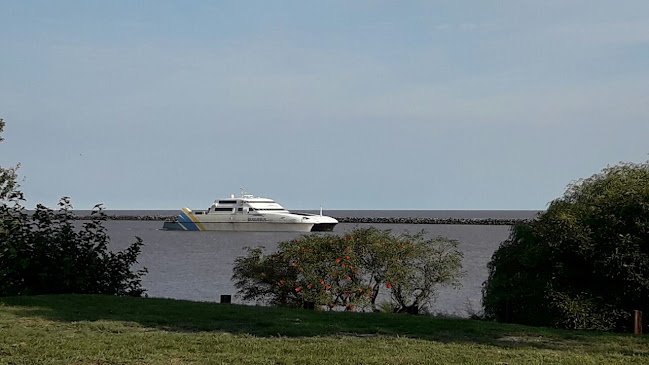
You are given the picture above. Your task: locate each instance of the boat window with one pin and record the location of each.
(270, 209)
(227, 202)
(223, 209)
(240, 209)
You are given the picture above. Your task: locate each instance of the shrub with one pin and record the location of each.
(584, 263)
(45, 254)
(349, 271)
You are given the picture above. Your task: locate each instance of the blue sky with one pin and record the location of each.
(348, 105)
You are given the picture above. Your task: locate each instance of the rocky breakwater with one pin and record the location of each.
(424, 220)
(130, 217)
(371, 220)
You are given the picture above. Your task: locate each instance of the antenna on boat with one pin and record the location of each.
(243, 192)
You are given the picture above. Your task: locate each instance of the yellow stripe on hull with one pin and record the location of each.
(194, 219)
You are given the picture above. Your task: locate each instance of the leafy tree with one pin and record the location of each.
(268, 278)
(584, 263)
(319, 269)
(44, 252)
(8, 176)
(349, 271)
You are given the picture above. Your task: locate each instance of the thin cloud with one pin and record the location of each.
(624, 33)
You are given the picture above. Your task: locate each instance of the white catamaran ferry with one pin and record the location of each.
(249, 213)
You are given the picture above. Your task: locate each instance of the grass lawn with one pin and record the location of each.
(93, 329)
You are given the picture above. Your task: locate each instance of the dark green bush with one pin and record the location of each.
(584, 263)
(43, 253)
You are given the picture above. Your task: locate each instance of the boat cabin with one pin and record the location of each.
(246, 204)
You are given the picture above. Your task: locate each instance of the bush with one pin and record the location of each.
(584, 263)
(349, 271)
(45, 254)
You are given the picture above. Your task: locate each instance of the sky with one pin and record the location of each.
(341, 104)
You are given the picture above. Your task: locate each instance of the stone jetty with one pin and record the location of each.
(130, 217)
(414, 220)
(372, 220)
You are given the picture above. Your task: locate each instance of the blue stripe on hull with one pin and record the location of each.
(187, 222)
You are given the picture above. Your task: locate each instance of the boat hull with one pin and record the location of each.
(250, 227)
(323, 227)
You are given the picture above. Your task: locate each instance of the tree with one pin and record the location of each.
(44, 252)
(267, 278)
(8, 176)
(584, 263)
(349, 271)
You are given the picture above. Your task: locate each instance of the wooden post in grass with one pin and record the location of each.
(226, 299)
(508, 311)
(413, 309)
(637, 322)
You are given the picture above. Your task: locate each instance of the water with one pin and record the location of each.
(198, 265)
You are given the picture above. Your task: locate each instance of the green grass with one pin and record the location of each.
(92, 329)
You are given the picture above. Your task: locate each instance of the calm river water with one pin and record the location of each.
(198, 265)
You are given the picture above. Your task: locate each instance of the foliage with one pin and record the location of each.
(258, 278)
(43, 252)
(8, 176)
(8, 182)
(349, 271)
(584, 263)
